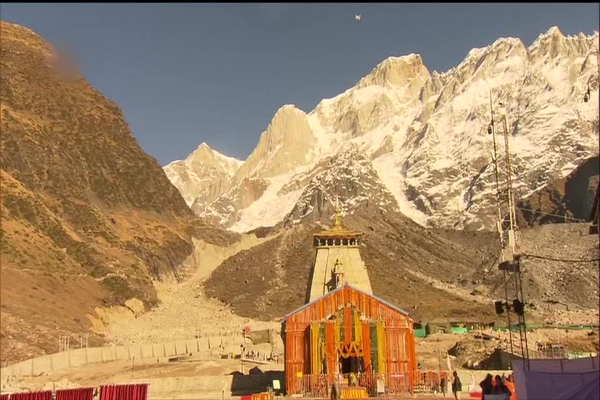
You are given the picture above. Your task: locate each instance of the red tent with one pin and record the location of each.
(75, 394)
(47, 395)
(124, 392)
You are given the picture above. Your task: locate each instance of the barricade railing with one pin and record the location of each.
(394, 384)
(429, 381)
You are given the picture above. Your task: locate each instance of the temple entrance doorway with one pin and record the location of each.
(351, 365)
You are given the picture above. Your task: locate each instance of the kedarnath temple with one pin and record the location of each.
(344, 333)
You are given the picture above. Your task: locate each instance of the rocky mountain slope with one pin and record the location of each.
(425, 134)
(88, 219)
(434, 273)
(403, 259)
(563, 199)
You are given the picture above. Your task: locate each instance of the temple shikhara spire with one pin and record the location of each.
(338, 261)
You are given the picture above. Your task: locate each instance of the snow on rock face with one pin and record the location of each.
(223, 210)
(348, 176)
(283, 147)
(203, 176)
(426, 134)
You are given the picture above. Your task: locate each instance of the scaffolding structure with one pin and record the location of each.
(510, 264)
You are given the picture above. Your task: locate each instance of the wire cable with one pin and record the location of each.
(551, 215)
(558, 259)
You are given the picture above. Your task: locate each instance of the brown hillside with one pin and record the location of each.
(433, 274)
(404, 260)
(88, 219)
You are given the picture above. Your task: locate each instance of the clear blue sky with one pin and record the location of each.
(188, 73)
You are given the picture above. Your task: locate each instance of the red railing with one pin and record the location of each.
(108, 392)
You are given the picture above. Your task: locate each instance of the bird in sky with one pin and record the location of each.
(357, 17)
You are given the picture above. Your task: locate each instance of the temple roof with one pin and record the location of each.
(345, 287)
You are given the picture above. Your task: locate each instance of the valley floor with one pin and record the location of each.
(222, 378)
(185, 312)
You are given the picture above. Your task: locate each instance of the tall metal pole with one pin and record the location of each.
(512, 243)
(499, 222)
(512, 236)
(492, 131)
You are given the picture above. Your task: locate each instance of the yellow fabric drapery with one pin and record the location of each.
(315, 348)
(357, 326)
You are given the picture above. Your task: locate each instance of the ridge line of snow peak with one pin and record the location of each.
(423, 134)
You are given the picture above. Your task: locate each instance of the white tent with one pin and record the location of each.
(551, 379)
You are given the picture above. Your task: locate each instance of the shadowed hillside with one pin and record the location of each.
(433, 274)
(572, 196)
(88, 219)
(403, 259)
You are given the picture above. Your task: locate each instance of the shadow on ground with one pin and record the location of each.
(256, 381)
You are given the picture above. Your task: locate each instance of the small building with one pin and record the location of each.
(349, 332)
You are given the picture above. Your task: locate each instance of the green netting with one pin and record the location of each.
(533, 327)
(420, 333)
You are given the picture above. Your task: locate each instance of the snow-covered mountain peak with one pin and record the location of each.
(286, 109)
(203, 174)
(425, 135)
(205, 156)
(552, 32)
(396, 71)
(554, 44)
(284, 146)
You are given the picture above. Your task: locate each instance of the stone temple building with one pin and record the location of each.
(344, 333)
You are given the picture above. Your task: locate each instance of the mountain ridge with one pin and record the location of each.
(425, 132)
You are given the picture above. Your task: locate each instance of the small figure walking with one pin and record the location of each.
(335, 390)
(443, 385)
(456, 385)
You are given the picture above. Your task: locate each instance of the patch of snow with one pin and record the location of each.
(392, 178)
(270, 208)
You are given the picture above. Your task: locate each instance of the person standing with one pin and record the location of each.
(511, 387)
(486, 386)
(456, 385)
(500, 388)
(335, 390)
(443, 386)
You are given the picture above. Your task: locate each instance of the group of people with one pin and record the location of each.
(456, 385)
(498, 385)
(491, 385)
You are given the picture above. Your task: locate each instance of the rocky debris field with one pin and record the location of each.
(473, 350)
(185, 312)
